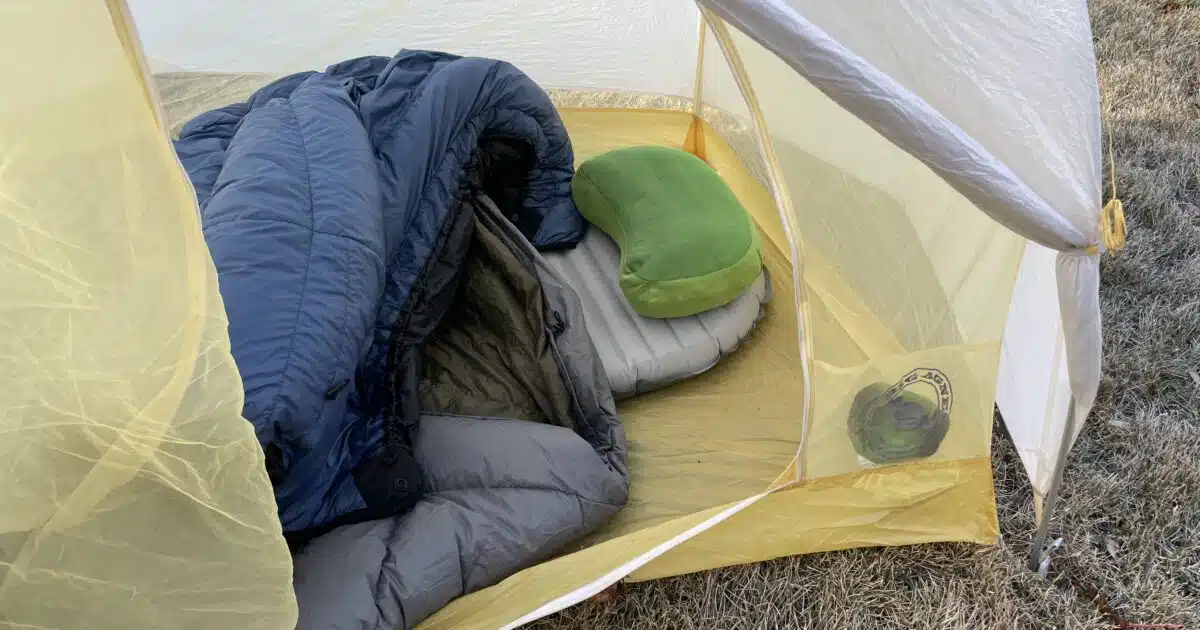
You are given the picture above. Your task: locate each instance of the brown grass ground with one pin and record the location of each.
(1133, 481)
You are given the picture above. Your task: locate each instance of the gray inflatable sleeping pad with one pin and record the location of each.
(641, 354)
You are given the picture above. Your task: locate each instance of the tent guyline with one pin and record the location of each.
(422, 315)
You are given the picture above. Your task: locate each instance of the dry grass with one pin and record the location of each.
(1133, 482)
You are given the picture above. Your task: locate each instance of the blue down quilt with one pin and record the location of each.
(432, 412)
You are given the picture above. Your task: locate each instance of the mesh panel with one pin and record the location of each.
(134, 494)
(907, 285)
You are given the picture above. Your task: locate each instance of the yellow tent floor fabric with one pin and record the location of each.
(902, 505)
(703, 450)
(743, 401)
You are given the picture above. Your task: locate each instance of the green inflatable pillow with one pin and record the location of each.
(687, 244)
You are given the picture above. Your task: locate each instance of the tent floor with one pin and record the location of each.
(704, 452)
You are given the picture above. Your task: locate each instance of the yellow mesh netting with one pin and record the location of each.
(134, 494)
(905, 368)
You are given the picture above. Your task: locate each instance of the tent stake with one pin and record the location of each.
(1038, 561)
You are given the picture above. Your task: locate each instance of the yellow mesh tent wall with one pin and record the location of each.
(930, 215)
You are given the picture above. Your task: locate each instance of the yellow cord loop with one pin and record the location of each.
(1112, 217)
(1112, 225)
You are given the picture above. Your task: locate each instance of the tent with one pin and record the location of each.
(926, 177)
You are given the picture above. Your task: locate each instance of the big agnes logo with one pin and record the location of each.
(905, 421)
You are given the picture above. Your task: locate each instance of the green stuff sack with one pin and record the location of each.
(888, 425)
(687, 244)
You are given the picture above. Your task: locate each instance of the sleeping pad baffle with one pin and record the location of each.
(432, 413)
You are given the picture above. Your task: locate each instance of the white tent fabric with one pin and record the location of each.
(875, 62)
(1033, 384)
(657, 51)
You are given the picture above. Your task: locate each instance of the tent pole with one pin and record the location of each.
(783, 203)
(697, 90)
(694, 141)
(1038, 549)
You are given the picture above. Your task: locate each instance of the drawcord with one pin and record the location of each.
(1112, 216)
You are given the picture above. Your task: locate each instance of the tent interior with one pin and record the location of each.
(881, 273)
